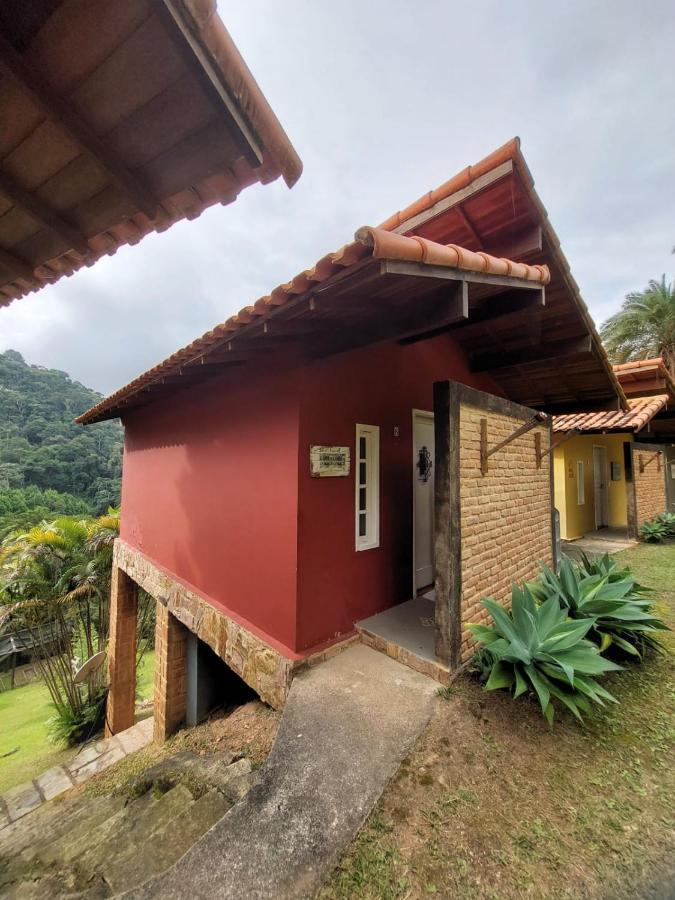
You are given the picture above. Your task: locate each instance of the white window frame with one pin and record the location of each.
(371, 538)
(581, 486)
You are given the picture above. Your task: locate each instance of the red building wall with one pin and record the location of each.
(378, 385)
(216, 487)
(209, 492)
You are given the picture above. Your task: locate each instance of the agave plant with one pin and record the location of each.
(539, 649)
(608, 596)
(667, 519)
(654, 531)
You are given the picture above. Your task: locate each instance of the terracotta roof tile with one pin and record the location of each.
(368, 242)
(642, 411)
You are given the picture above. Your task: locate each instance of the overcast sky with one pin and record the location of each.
(383, 101)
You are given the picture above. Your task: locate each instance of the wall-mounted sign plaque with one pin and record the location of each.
(616, 471)
(328, 462)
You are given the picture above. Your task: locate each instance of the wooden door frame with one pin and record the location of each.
(428, 415)
(606, 491)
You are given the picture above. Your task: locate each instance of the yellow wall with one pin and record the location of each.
(576, 519)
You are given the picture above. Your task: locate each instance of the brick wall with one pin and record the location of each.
(120, 712)
(170, 674)
(649, 486)
(505, 514)
(492, 528)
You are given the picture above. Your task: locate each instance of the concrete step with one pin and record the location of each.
(165, 845)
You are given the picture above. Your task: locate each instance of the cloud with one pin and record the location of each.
(383, 101)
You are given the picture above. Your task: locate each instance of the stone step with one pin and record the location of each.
(140, 821)
(51, 847)
(51, 821)
(166, 845)
(78, 848)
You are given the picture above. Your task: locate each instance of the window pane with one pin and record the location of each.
(362, 448)
(362, 473)
(362, 499)
(362, 525)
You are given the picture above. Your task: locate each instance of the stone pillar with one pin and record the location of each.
(170, 674)
(122, 652)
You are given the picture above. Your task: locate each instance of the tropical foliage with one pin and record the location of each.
(654, 531)
(539, 649)
(55, 585)
(556, 639)
(40, 445)
(600, 591)
(644, 327)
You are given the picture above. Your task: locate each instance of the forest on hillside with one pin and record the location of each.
(49, 465)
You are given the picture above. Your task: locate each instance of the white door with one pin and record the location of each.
(600, 484)
(423, 498)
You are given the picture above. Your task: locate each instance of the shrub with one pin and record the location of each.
(538, 649)
(73, 726)
(600, 591)
(653, 532)
(667, 519)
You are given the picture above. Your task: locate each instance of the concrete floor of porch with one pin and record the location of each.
(407, 633)
(599, 542)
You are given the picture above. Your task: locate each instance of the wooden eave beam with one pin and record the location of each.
(437, 313)
(502, 309)
(551, 352)
(13, 65)
(524, 243)
(42, 213)
(447, 273)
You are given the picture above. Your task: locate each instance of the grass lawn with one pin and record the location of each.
(24, 713)
(493, 804)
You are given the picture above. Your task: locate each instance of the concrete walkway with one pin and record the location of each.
(91, 759)
(347, 725)
(597, 543)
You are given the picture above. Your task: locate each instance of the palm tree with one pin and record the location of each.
(644, 327)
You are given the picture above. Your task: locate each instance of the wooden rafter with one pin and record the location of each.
(42, 213)
(16, 265)
(12, 65)
(469, 225)
(546, 352)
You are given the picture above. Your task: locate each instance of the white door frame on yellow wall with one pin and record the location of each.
(600, 488)
(421, 415)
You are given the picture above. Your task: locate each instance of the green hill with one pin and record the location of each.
(41, 448)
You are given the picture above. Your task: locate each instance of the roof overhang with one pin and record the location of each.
(640, 417)
(536, 340)
(645, 377)
(118, 120)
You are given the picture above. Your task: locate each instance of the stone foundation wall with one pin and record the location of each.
(262, 667)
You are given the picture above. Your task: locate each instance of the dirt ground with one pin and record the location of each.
(494, 804)
(248, 730)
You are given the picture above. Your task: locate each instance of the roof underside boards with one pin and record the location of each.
(641, 413)
(543, 351)
(120, 118)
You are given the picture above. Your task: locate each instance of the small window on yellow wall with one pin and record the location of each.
(581, 492)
